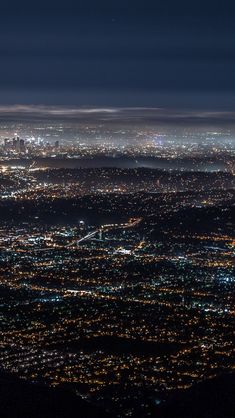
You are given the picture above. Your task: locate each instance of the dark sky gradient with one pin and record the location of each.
(118, 53)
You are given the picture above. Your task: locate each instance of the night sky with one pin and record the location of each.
(118, 53)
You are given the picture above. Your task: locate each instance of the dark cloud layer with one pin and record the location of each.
(117, 53)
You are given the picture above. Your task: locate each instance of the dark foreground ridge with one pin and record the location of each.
(210, 399)
(213, 398)
(19, 399)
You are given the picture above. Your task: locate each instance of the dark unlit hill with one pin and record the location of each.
(201, 163)
(19, 399)
(213, 398)
(110, 344)
(210, 399)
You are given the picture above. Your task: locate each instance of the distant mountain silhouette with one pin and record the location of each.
(19, 399)
(213, 398)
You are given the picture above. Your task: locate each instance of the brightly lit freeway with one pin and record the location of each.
(105, 228)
